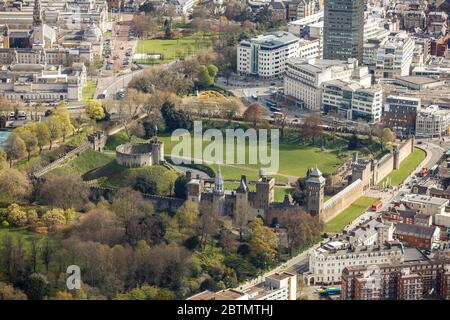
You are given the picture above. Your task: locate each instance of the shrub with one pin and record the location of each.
(5, 224)
(17, 216)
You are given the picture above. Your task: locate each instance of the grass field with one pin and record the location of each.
(87, 161)
(89, 90)
(173, 49)
(406, 167)
(294, 160)
(348, 215)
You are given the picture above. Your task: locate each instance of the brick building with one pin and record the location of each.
(402, 281)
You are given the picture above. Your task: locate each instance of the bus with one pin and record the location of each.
(377, 205)
(329, 291)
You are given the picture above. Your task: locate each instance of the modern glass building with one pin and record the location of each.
(343, 29)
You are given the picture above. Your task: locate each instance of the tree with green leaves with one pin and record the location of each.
(15, 148)
(63, 116)
(54, 127)
(42, 135)
(95, 110)
(262, 241)
(28, 135)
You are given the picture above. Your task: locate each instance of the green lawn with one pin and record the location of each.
(89, 90)
(348, 215)
(280, 193)
(87, 161)
(406, 167)
(294, 159)
(173, 49)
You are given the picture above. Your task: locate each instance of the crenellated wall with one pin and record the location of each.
(341, 200)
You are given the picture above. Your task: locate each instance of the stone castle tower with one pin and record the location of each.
(157, 151)
(315, 185)
(265, 191)
(219, 192)
(242, 203)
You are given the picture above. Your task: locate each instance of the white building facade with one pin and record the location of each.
(394, 56)
(304, 78)
(327, 262)
(432, 122)
(265, 56)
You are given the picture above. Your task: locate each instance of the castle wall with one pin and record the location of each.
(387, 164)
(384, 167)
(405, 149)
(342, 200)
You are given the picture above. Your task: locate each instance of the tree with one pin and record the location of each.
(95, 110)
(312, 127)
(252, 113)
(207, 226)
(129, 207)
(98, 225)
(353, 142)
(130, 108)
(262, 241)
(36, 287)
(180, 187)
(15, 185)
(28, 135)
(301, 227)
(206, 75)
(54, 217)
(175, 119)
(187, 217)
(386, 136)
(54, 127)
(3, 160)
(63, 115)
(167, 29)
(8, 292)
(16, 215)
(15, 148)
(68, 191)
(13, 258)
(42, 135)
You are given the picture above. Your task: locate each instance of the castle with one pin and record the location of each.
(211, 194)
(140, 154)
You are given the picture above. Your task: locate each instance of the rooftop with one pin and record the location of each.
(415, 230)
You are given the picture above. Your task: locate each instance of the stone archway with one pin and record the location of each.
(308, 279)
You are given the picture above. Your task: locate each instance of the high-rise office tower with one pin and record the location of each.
(343, 29)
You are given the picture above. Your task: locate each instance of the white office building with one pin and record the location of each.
(394, 56)
(310, 48)
(304, 78)
(353, 101)
(265, 56)
(425, 204)
(300, 27)
(433, 122)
